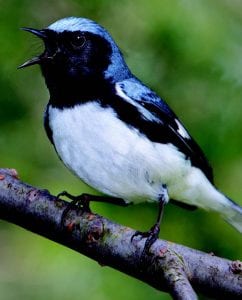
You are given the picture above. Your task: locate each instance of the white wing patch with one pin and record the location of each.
(182, 131)
(144, 112)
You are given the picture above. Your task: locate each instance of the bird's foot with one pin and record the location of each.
(151, 236)
(83, 202)
(80, 201)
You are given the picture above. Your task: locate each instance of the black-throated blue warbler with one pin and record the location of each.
(114, 132)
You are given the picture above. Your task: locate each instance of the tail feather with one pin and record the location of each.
(232, 213)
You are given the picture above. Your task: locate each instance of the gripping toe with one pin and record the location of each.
(151, 236)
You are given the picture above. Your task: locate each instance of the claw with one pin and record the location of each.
(81, 201)
(137, 233)
(151, 236)
(64, 193)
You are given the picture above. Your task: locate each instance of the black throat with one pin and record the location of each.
(67, 92)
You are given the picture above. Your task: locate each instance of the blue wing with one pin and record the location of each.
(153, 117)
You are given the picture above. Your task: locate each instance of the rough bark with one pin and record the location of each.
(170, 267)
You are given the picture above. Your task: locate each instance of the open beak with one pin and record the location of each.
(33, 61)
(41, 33)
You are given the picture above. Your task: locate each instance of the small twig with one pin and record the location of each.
(170, 267)
(176, 276)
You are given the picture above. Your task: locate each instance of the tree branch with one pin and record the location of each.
(170, 267)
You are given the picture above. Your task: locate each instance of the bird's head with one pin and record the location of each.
(78, 50)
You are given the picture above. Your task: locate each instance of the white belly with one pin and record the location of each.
(111, 157)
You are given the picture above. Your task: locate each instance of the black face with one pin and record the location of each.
(75, 53)
(73, 59)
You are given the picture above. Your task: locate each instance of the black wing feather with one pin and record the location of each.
(163, 128)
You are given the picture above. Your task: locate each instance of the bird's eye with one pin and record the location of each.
(78, 41)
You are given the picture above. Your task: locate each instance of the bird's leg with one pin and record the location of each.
(153, 234)
(83, 201)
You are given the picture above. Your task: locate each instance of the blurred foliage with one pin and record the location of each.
(190, 52)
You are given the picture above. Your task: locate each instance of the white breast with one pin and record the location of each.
(111, 157)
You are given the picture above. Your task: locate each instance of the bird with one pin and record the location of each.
(115, 133)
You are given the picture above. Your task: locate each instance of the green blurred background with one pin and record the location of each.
(190, 52)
